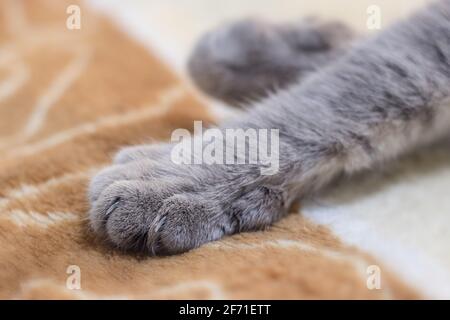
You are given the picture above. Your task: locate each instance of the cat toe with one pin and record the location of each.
(145, 169)
(127, 213)
(190, 220)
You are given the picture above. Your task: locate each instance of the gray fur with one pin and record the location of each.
(387, 95)
(250, 59)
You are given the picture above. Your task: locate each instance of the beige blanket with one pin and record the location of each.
(68, 100)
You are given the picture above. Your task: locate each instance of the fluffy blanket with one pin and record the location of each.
(70, 98)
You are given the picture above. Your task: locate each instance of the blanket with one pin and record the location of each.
(69, 99)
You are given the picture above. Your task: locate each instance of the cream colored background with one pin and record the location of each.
(401, 216)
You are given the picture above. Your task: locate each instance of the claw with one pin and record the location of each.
(113, 206)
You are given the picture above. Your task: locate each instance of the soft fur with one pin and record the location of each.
(385, 96)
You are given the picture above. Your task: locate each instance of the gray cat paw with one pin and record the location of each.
(154, 206)
(248, 59)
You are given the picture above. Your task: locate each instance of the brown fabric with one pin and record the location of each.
(86, 93)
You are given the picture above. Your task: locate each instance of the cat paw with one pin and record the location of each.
(147, 203)
(248, 59)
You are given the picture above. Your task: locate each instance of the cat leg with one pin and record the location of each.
(245, 61)
(387, 95)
